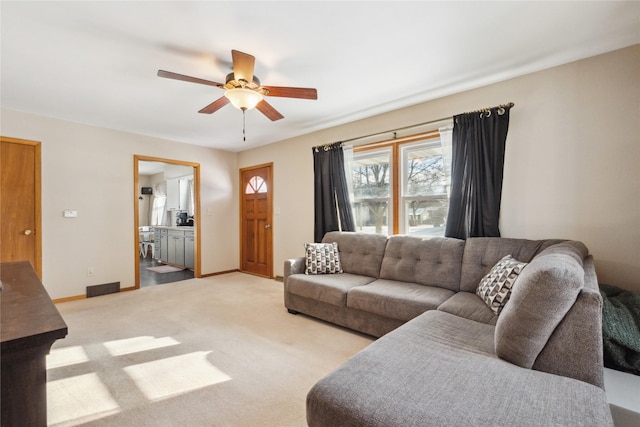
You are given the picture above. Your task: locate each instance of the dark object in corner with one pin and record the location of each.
(621, 328)
(107, 288)
(292, 311)
(29, 324)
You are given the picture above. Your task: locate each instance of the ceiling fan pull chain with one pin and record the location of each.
(244, 133)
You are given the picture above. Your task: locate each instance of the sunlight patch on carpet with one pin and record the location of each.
(137, 344)
(66, 356)
(172, 376)
(80, 398)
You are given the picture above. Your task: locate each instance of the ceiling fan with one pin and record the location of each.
(244, 90)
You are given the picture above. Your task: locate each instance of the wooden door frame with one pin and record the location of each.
(136, 211)
(269, 212)
(38, 197)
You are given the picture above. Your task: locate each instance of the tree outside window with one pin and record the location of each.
(424, 190)
(371, 180)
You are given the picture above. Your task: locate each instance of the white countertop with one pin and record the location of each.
(175, 227)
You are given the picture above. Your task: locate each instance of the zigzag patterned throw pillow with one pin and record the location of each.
(495, 287)
(322, 258)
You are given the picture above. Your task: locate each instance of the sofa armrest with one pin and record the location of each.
(293, 266)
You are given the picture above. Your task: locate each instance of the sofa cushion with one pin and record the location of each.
(432, 261)
(360, 253)
(469, 306)
(482, 253)
(438, 370)
(322, 258)
(495, 287)
(396, 300)
(329, 288)
(542, 296)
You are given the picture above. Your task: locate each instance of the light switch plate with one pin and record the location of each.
(70, 214)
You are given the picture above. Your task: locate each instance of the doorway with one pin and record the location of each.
(20, 202)
(256, 200)
(166, 220)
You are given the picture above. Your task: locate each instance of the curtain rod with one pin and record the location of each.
(499, 107)
(430, 122)
(394, 131)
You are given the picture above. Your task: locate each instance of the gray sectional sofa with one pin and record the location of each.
(444, 356)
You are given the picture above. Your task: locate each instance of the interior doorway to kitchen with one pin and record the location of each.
(166, 220)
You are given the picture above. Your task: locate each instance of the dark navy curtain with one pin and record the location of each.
(477, 163)
(331, 193)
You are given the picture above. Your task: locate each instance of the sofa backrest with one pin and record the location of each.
(575, 348)
(553, 320)
(434, 261)
(482, 253)
(360, 253)
(541, 296)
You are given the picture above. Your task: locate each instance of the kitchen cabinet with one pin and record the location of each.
(162, 236)
(173, 194)
(188, 249)
(178, 193)
(176, 246)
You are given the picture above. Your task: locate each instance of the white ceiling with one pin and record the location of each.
(96, 62)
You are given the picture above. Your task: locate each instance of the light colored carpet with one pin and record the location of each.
(165, 269)
(220, 351)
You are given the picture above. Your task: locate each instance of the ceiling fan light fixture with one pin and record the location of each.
(243, 99)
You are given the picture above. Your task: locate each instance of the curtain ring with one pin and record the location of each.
(326, 148)
(501, 110)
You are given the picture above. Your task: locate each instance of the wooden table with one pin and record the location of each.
(29, 324)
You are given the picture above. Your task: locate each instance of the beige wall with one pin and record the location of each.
(571, 169)
(90, 170)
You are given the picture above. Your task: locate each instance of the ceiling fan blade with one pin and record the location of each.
(215, 105)
(176, 76)
(243, 65)
(292, 92)
(265, 108)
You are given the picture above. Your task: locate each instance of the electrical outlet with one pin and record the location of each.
(89, 271)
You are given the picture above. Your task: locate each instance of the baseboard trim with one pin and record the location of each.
(219, 273)
(67, 299)
(133, 288)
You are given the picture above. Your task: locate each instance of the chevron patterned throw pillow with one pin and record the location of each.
(495, 287)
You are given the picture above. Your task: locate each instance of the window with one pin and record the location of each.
(371, 180)
(158, 210)
(256, 185)
(424, 200)
(401, 187)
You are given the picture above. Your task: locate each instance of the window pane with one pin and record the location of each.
(423, 171)
(256, 185)
(424, 201)
(371, 177)
(425, 217)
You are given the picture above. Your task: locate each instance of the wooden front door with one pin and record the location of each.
(20, 216)
(256, 195)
